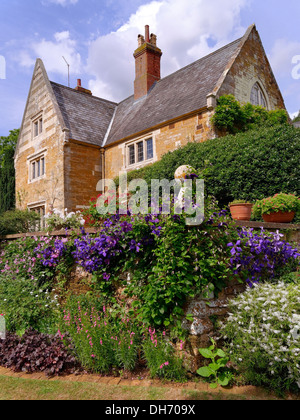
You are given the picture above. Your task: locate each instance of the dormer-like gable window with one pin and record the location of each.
(257, 96)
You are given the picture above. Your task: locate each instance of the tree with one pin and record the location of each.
(7, 171)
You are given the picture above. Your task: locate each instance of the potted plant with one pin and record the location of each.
(281, 208)
(241, 210)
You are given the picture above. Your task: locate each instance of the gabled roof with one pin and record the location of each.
(100, 122)
(176, 95)
(86, 117)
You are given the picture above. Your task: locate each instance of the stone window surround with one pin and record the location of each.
(40, 207)
(39, 120)
(35, 158)
(260, 84)
(138, 165)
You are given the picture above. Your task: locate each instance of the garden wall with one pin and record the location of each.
(205, 309)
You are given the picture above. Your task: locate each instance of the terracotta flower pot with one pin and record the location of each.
(279, 217)
(241, 211)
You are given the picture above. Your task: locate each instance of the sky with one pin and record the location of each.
(97, 38)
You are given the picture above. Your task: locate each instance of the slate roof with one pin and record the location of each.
(173, 96)
(87, 117)
(98, 121)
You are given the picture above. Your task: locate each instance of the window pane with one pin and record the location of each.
(33, 170)
(255, 95)
(38, 163)
(36, 129)
(42, 166)
(262, 100)
(140, 147)
(41, 126)
(131, 155)
(149, 148)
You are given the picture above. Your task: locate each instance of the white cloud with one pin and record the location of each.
(183, 30)
(281, 56)
(52, 53)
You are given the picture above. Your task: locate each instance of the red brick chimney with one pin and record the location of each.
(147, 64)
(79, 88)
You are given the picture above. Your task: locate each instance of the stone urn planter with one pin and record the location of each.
(279, 217)
(241, 211)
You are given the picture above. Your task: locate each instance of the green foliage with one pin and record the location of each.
(279, 202)
(160, 357)
(27, 297)
(217, 371)
(59, 220)
(7, 171)
(18, 221)
(263, 336)
(251, 165)
(106, 340)
(182, 263)
(230, 116)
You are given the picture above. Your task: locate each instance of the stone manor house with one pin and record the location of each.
(70, 139)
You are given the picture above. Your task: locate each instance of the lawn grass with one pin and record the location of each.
(12, 388)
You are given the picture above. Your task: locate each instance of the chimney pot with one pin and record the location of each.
(79, 88)
(147, 33)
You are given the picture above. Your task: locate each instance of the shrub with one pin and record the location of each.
(244, 166)
(263, 335)
(58, 220)
(232, 117)
(35, 352)
(18, 221)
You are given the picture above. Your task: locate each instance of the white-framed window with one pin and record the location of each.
(140, 151)
(37, 126)
(257, 96)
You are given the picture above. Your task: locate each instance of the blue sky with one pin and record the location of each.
(98, 37)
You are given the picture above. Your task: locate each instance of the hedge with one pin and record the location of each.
(250, 165)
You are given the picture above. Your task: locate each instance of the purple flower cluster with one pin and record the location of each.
(116, 238)
(52, 253)
(95, 253)
(260, 254)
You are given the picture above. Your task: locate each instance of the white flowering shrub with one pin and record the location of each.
(58, 220)
(263, 335)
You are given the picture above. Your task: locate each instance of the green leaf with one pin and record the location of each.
(205, 371)
(213, 386)
(221, 353)
(214, 367)
(223, 380)
(207, 353)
